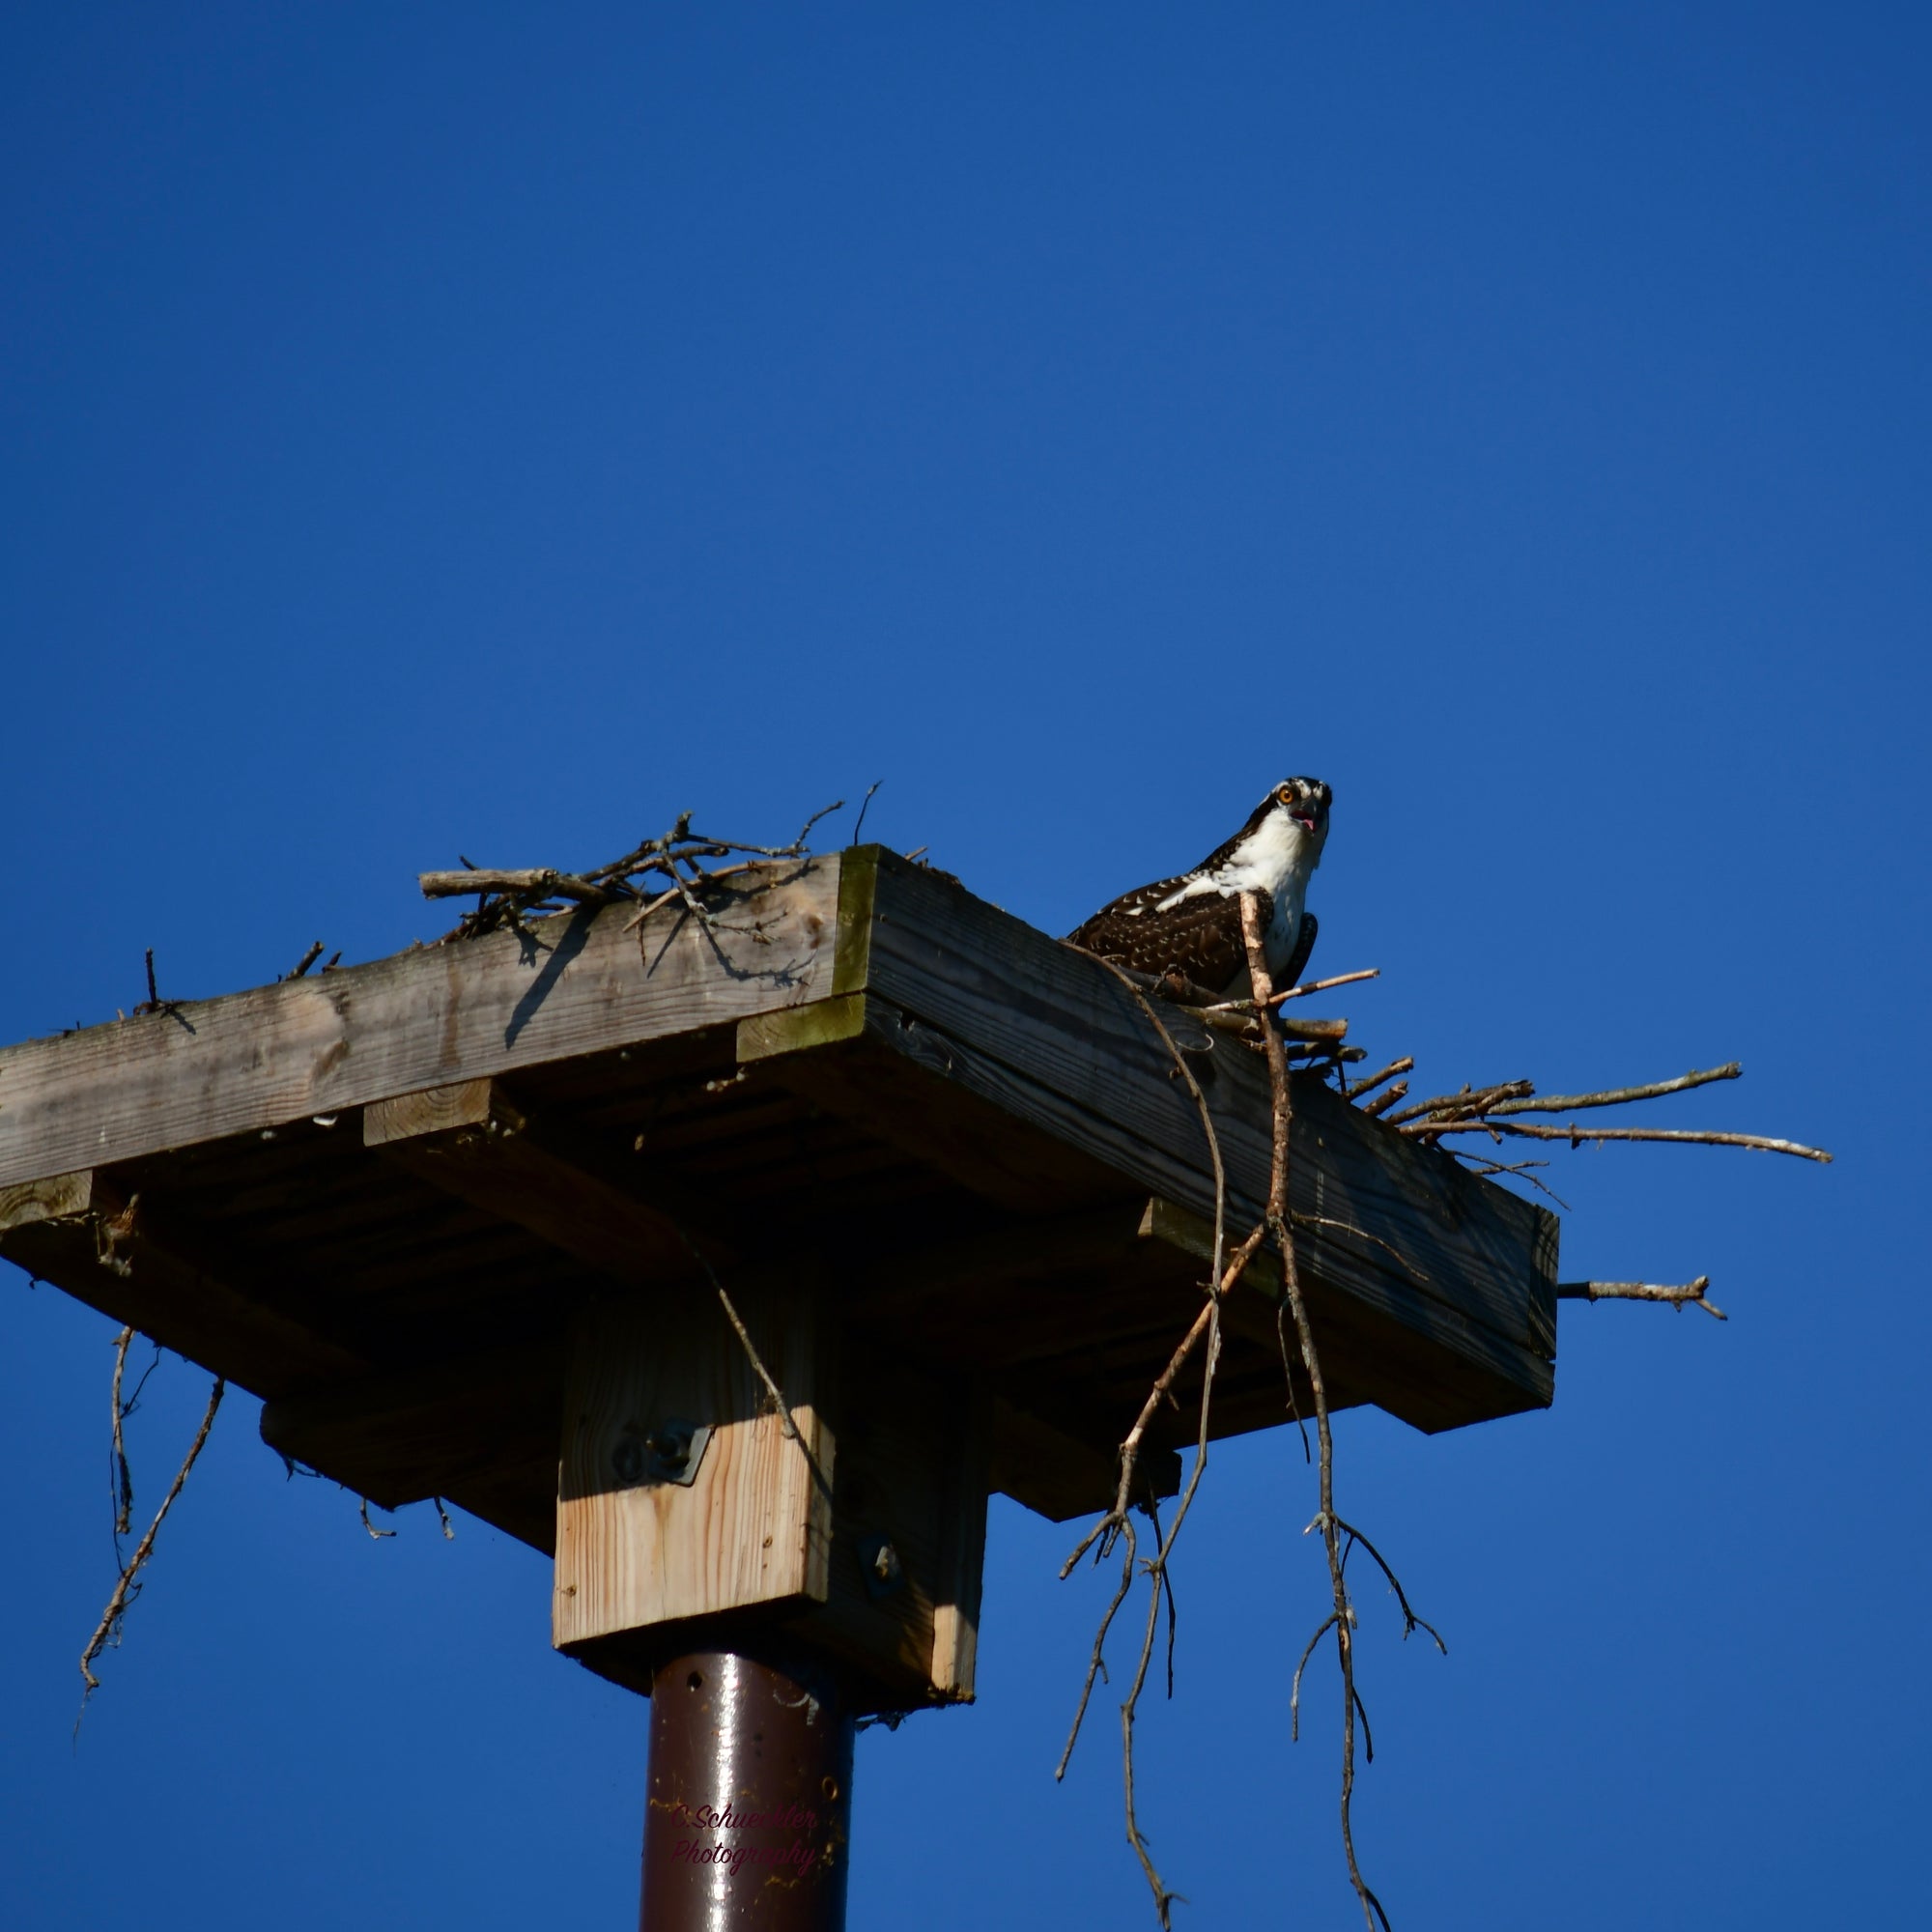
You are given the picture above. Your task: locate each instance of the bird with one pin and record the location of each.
(1191, 926)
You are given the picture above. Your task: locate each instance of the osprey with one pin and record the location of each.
(1192, 925)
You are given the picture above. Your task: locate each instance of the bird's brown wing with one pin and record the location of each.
(1298, 960)
(1200, 938)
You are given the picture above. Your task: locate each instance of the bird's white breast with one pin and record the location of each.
(1276, 856)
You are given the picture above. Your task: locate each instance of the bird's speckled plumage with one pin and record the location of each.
(1191, 924)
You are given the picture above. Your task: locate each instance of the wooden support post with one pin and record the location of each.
(689, 1512)
(748, 1817)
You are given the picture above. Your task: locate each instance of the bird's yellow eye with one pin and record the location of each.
(1285, 794)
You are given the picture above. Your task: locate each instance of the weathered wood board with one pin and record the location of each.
(578, 983)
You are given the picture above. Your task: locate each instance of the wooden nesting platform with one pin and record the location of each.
(391, 1200)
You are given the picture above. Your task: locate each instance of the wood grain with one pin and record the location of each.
(579, 983)
(754, 1528)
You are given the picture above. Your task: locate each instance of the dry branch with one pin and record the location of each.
(1117, 1523)
(1299, 993)
(540, 883)
(1576, 1135)
(1369, 1084)
(1642, 1291)
(678, 862)
(1342, 1618)
(1617, 1097)
(1470, 1100)
(127, 1588)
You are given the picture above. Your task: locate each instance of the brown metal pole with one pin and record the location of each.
(750, 1806)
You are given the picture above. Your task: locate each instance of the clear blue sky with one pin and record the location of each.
(493, 429)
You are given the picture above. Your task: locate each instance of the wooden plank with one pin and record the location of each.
(997, 984)
(963, 1521)
(195, 1294)
(912, 1445)
(578, 983)
(1366, 1357)
(1385, 1195)
(472, 1140)
(58, 1196)
(991, 984)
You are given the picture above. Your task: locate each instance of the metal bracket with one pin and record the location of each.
(670, 1453)
(880, 1563)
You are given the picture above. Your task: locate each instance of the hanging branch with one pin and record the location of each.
(1117, 1525)
(128, 1588)
(1338, 1538)
(124, 1477)
(1278, 1038)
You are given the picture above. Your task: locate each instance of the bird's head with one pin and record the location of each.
(1300, 803)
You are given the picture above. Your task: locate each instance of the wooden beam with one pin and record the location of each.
(1050, 1473)
(1365, 1356)
(179, 1285)
(1053, 1038)
(857, 1058)
(578, 983)
(752, 1527)
(403, 1435)
(472, 1140)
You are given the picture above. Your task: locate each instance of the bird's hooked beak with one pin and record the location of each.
(1302, 811)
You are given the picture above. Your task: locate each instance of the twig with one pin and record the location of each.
(127, 1589)
(1575, 1135)
(1617, 1097)
(1406, 1064)
(1223, 1275)
(1401, 1260)
(1382, 1102)
(1520, 1170)
(377, 1534)
(124, 1478)
(1342, 1618)
(308, 960)
(540, 883)
(1299, 993)
(1308, 986)
(1322, 1630)
(677, 860)
(750, 1348)
(1642, 1291)
(1117, 1523)
(153, 1003)
(859, 825)
(1455, 1106)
